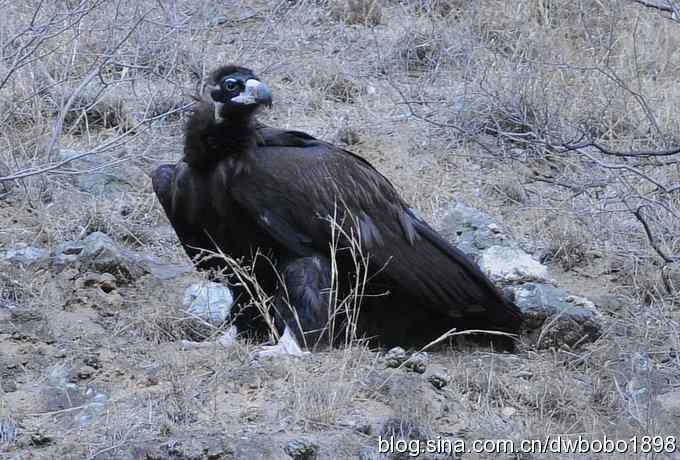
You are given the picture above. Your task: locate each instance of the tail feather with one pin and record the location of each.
(454, 285)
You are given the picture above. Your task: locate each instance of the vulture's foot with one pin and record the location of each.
(287, 346)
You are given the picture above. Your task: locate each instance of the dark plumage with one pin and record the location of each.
(247, 187)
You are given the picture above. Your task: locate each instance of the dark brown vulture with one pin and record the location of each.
(245, 188)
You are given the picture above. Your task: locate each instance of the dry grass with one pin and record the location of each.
(449, 99)
(324, 397)
(353, 12)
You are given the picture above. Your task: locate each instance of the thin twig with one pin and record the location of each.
(652, 240)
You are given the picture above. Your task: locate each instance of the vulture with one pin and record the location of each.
(326, 236)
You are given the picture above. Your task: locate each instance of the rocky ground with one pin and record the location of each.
(104, 350)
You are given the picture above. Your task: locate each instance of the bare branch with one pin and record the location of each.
(96, 70)
(652, 240)
(667, 6)
(114, 142)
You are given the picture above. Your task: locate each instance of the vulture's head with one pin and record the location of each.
(236, 90)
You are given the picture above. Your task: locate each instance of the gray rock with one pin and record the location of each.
(258, 447)
(473, 231)
(556, 318)
(510, 265)
(395, 357)
(553, 317)
(8, 386)
(438, 376)
(193, 446)
(84, 404)
(98, 252)
(470, 230)
(209, 301)
(25, 255)
(461, 217)
(160, 269)
(418, 362)
(100, 178)
(302, 449)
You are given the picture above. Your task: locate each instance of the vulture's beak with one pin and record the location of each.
(255, 92)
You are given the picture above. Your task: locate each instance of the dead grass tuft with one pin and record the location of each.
(338, 87)
(443, 8)
(17, 286)
(414, 409)
(509, 190)
(324, 397)
(93, 110)
(159, 322)
(570, 245)
(418, 51)
(357, 12)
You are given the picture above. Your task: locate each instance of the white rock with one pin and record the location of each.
(209, 301)
(511, 264)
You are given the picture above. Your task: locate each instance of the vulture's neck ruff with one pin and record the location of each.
(222, 126)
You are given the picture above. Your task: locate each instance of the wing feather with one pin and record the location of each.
(304, 183)
(179, 196)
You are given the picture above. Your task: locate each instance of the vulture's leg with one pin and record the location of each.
(302, 305)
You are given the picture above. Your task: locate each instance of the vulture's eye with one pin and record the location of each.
(230, 84)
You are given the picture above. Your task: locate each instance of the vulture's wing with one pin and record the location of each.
(298, 183)
(175, 187)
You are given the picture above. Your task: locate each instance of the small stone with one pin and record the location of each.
(92, 361)
(395, 357)
(508, 411)
(104, 281)
(302, 449)
(107, 282)
(364, 428)
(526, 375)
(152, 376)
(86, 372)
(60, 354)
(418, 362)
(9, 386)
(40, 439)
(438, 376)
